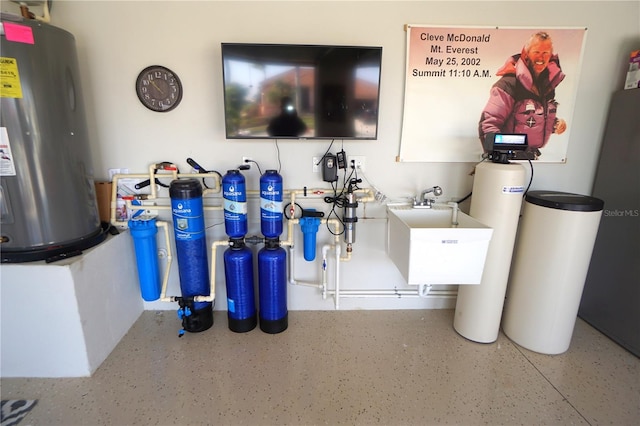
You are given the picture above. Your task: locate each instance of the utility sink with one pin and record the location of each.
(440, 245)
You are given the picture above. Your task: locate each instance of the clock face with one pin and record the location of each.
(159, 88)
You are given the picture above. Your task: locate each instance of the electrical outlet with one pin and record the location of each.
(316, 165)
(358, 162)
(246, 160)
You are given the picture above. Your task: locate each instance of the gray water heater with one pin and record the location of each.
(48, 204)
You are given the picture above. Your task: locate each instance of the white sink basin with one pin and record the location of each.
(428, 249)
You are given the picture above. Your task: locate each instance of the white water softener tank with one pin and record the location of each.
(47, 196)
(496, 202)
(551, 261)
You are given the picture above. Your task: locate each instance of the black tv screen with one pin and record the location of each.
(301, 91)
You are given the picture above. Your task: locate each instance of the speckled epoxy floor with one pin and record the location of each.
(340, 367)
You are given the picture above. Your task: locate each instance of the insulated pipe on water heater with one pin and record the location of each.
(496, 202)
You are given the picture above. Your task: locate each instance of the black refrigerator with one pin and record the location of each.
(611, 296)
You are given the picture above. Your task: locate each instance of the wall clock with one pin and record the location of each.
(159, 88)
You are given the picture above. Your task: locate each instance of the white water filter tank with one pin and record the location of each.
(551, 260)
(496, 202)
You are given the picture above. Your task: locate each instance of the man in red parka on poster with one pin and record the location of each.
(523, 100)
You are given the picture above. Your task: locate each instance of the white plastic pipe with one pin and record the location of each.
(454, 211)
(154, 193)
(336, 249)
(165, 279)
(364, 293)
(289, 241)
(325, 251)
(212, 291)
(129, 205)
(424, 290)
(292, 279)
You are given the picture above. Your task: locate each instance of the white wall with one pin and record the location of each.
(117, 39)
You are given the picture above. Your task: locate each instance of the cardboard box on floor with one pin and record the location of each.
(103, 195)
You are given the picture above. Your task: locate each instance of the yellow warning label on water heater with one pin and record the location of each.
(9, 78)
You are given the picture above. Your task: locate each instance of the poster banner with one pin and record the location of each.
(464, 82)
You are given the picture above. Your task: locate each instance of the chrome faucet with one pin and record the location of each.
(423, 202)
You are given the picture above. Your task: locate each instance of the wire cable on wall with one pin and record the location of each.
(321, 159)
(278, 156)
(530, 179)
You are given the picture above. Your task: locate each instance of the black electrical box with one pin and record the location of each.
(329, 168)
(341, 157)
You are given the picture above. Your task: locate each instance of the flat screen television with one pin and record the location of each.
(290, 91)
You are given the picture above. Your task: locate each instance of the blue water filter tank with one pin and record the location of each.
(309, 226)
(144, 231)
(235, 204)
(191, 249)
(271, 204)
(241, 304)
(272, 288)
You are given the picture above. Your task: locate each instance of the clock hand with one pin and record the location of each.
(156, 86)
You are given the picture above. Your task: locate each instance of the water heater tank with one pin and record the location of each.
(47, 196)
